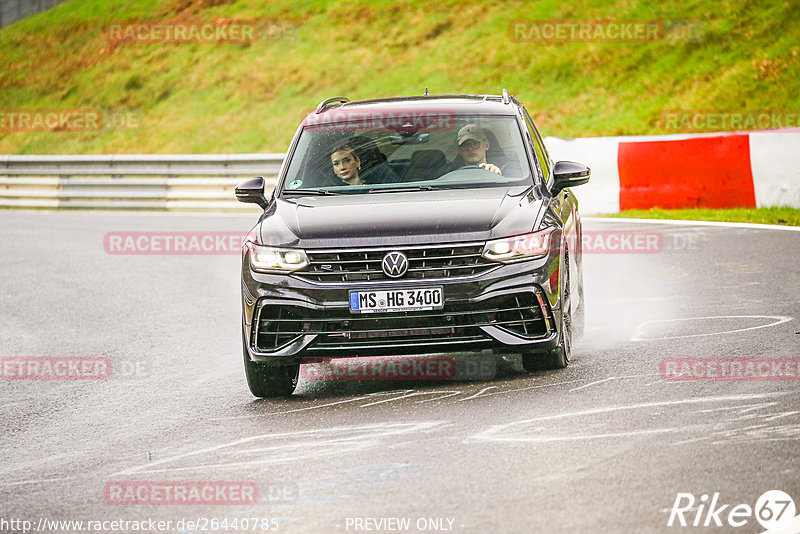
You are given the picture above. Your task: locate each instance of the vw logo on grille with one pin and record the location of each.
(395, 264)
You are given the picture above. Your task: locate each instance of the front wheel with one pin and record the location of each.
(266, 381)
(557, 357)
(579, 317)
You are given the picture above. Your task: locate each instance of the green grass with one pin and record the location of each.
(784, 216)
(221, 98)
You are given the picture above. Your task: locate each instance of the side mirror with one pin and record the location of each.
(252, 191)
(569, 174)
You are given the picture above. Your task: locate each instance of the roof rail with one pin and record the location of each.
(325, 103)
(506, 99)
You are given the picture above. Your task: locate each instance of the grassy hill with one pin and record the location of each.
(249, 97)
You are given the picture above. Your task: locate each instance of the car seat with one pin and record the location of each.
(425, 165)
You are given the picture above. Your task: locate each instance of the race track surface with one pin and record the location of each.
(605, 445)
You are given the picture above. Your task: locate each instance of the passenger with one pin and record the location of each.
(346, 164)
(472, 147)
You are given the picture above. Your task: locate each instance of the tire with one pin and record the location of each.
(269, 381)
(579, 318)
(557, 357)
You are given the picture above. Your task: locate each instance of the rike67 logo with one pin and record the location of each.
(774, 509)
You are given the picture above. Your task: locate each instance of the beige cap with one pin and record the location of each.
(471, 131)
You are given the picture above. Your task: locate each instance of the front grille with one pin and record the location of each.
(456, 322)
(364, 265)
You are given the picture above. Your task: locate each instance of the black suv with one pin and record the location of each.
(412, 225)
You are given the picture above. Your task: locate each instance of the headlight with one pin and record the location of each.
(276, 259)
(519, 247)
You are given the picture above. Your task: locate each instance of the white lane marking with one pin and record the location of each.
(35, 481)
(690, 440)
(484, 390)
(771, 418)
(413, 394)
(742, 408)
(779, 319)
(287, 411)
(549, 439)
(527, 388)
(450, 394)
(318, 406)
(751, 226)
(496, 432)
(390, 392)
(627, 300)
(593, 383)
(356, 438)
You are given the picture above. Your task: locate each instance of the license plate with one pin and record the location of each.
(396, 300)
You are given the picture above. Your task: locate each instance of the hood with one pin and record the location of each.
(393, 218)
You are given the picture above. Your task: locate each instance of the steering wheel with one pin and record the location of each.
(501, 167)
(465, 167)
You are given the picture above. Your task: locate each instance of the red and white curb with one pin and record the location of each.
(720, 170)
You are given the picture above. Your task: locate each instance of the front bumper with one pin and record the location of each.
(510, 308)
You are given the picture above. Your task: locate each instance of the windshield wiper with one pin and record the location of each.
(405, 189)
(308, 192)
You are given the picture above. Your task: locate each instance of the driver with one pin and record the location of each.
(472, 147)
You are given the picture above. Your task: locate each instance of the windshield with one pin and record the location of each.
(440, 152)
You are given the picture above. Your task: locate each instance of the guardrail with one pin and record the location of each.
(14, 10)
(719, 170)
(132, 182)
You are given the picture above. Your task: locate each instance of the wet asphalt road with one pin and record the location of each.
(605, 445)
